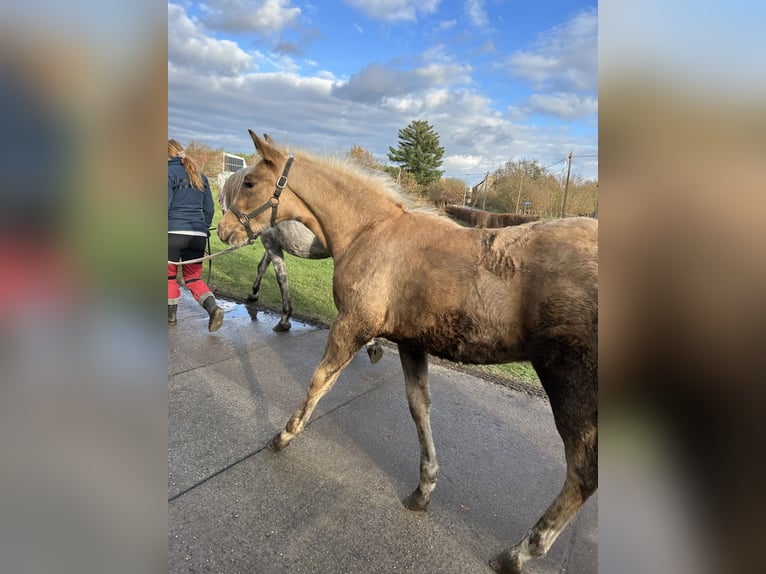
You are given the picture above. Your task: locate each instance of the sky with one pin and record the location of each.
(498, 80)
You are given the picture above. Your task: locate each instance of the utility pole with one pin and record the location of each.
(566, 186)
(486, 188)
(521, 185)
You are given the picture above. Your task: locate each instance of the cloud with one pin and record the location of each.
(446, 25)
(565, 58)
(567, 106)
(266, 18)
(476, 13)
(459, 162)
(189, 48)
(377, 82)
(394, 10)
(312, 108)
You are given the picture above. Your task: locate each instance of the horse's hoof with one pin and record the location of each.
(251, 298)
(282, 327)
(415, 502)
(503, 564)
(276, 444)
(375, 352)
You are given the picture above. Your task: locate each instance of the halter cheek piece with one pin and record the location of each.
(273, 203)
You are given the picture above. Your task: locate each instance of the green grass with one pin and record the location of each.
(521, 371)
(310, 282)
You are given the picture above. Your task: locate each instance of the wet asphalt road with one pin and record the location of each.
(331, 502)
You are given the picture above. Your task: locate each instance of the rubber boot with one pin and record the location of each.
(172, 314)
(215, 312)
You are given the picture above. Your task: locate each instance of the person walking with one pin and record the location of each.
(190, 213)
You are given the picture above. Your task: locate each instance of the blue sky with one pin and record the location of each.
(497, 79)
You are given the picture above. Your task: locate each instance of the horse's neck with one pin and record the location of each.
(339, 207)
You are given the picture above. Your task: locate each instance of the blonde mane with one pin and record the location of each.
(231, 186)
(369, 179)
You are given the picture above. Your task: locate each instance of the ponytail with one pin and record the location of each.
(175, 150)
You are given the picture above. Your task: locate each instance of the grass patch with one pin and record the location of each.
(521, 371)
(310, 283)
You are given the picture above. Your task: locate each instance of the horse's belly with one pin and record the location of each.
(479, 353)
(457, 338)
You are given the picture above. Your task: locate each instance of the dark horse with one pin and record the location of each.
(528, 292)
(296, 239)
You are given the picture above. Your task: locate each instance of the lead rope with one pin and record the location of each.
(209, 261)
(212, 255)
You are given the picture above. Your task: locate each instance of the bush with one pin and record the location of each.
(482, 219)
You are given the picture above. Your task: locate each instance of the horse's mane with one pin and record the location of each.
(231, 186)
(368, 178)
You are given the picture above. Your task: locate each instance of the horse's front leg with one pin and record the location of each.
(263, 264)
(415, 366)
(342, 344)
(287, 307)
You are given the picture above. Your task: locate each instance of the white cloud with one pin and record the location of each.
(459, 162)
(394, 10)
(567, 106)
(377, 82)
(313, 108)
(189, 48)
(446, 25)
(267, 17)
(565, 58)
(477, 15)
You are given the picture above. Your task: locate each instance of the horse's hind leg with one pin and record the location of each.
(575, 410)
(415, 366)
(277, 258)
(263, 264)
(341, 346)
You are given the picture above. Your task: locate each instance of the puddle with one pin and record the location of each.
(242, 311)
(254, 312)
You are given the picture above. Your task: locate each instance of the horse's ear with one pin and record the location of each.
(266, 147)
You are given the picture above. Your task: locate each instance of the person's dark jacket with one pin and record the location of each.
(189, 209)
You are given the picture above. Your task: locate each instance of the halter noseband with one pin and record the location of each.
(273, 203)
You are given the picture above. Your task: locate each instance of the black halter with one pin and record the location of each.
(273, 203)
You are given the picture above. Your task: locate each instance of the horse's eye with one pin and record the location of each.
(249, 184)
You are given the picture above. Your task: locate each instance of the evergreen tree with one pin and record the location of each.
(419, 152)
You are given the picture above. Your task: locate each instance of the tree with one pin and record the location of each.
(419, 152)
(447, 191)
(363, 157)
(208, 159)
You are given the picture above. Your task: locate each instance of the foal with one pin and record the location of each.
(528, 292)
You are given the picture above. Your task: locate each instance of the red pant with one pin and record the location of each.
(186, 248)
(192, 277)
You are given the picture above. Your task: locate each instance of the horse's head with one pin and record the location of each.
(251, 196)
